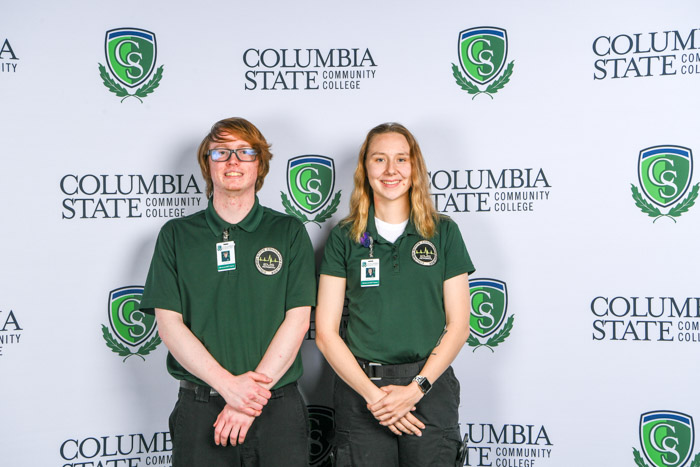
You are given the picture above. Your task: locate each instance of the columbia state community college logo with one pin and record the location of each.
(311, 69)
(131, 58)
(647, 54)
(310, 181)
(488, 324)
(665, 174)
(667, 440)
(131, 326)
(482, 53)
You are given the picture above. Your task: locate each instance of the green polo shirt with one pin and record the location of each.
(234, 313)
(401, 320)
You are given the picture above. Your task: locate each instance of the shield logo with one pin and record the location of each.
(321, 426)
(131, 325)
(131, 54)
(665, 173)
(310, 180)
(489, 301)
(482, 52)
(667, 438)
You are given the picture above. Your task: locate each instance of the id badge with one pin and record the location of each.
(225, 256)
(369, 272)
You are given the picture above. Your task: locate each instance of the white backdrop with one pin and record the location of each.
(559, 390)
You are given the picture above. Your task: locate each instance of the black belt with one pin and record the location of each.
(203, 389)
(198, 388)
(376, 371)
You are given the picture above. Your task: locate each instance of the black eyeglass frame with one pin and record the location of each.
(232, 151)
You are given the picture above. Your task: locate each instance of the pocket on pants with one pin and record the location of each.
(173, 420)
(451, 441)
(454, 383)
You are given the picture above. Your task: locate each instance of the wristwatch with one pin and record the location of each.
(423, 383)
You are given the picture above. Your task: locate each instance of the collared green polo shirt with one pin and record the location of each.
(401, 320)
(234, 313)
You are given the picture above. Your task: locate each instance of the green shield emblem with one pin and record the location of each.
(482, 52)
(131, 54)
(310, 180)
(131, 326)
(489, 301)
(667, 438)
(665, 173)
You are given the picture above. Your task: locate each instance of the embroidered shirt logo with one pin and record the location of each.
(424, 253)
(268, 261)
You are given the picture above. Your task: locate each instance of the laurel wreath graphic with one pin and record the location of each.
(676, 211)
(492, 88)
(640, 462)
(638, 459)
(320, 217)
(121, 91)
(494, 340)
(121, 350)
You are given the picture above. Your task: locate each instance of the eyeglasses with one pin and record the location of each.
(242, 154)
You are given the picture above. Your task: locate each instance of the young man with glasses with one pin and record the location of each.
(232, 287)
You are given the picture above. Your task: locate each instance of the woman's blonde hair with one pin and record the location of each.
(423, 213)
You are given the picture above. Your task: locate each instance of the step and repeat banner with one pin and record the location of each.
(562, 139)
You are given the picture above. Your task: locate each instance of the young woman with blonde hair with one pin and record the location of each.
(404, 270)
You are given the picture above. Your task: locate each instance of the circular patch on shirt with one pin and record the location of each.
(268, 261)
(424, 253)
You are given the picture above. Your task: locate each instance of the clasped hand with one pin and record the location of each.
(394, 409)
(245, 398)
(231, 425)
(246, 394)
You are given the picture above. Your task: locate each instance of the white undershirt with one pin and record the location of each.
(388, 231)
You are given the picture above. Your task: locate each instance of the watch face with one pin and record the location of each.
(423, 383)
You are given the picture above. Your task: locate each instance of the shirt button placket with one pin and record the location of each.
(234, 236)
(395, 257)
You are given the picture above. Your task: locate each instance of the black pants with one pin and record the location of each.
(278, 437)
(360, 441)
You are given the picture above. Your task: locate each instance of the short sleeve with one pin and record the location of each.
(334, 262)
(457, 259)
(301, 282)
(162, 289)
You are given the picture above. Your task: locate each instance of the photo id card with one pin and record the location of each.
(369, 272)
(225, 256)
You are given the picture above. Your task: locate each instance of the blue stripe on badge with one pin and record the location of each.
(128, 292)
(666, 416)
(131, 32)
(305, 160)
(666, 150)
(481, 283)
(493, 32)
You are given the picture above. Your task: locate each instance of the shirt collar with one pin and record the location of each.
(372, 227)
(249, 223)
